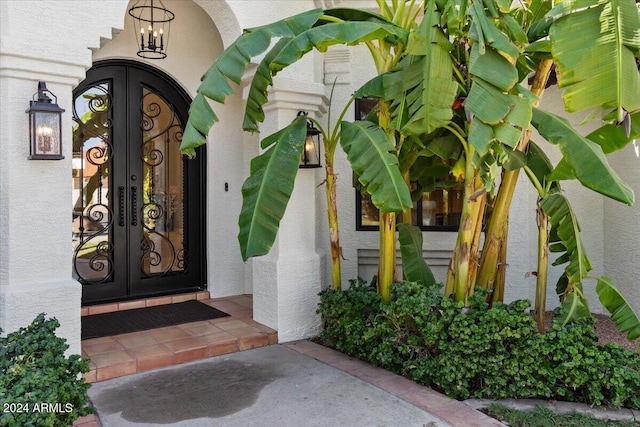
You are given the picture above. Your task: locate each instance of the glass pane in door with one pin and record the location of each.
(92, 221)
(162, 210)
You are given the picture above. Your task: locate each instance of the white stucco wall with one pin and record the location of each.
(35, 250)
(621, 225)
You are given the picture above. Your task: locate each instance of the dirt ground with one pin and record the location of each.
(607, 331)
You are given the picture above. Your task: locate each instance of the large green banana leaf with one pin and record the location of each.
(497, 116)
(258, 89)
(349, 14)
(393, 86)
(621, 312)
(613, 137)
(594, 44)
(500, 107)
(493, 68)
(373, 158)
(430, 101)
(421, 87)
(487, 102)
(485, 32)
(566, 237)
(267, 190)
(539, 27)
(414, 268)
(408, 85)
(313, 32)
(586, 158)
(230, 66)
(541, 167)
(349, 33)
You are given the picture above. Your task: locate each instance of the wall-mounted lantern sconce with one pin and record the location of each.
(151, 21)
(45, 132)
(311, 153)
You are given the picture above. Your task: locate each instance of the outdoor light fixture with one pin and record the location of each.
(45, 132)
(151, 23)
(311, 153)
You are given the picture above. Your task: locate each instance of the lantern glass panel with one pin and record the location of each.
(310, 154)
(46, 133)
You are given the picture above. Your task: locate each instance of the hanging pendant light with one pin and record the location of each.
(151, 22)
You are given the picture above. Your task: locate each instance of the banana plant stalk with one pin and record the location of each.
(387, 261)
(387, 265)
(334, 232)
(331, 141)
(386, 57)
(543, 188)
(461, 275)
(495, 236)
(407, 215)
(498, 292)
(543, 268)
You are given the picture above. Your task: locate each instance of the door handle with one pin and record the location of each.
(121, 206)
(134, 205)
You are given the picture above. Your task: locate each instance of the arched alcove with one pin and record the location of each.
(198, 35)
(193, 43)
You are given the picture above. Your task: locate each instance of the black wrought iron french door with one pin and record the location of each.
(138, 217)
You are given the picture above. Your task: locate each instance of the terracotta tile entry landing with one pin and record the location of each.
(126, 354)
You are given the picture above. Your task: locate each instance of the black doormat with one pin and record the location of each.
(142, 319)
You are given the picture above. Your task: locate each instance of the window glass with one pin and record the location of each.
(437, 210)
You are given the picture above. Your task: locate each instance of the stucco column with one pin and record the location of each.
(286, 282)
(35, 221)
(36, 195)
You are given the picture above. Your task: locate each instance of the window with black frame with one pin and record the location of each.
(437, 206)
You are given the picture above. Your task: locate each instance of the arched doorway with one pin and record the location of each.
(138, 207)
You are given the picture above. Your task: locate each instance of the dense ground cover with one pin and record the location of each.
(39, 384)
(479, 351)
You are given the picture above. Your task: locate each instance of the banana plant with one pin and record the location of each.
(386, 36)
(443, 65)
(573, 33)
(331, 140)
(416, 99)
(563, 237)
(555, 211)
(505, 42)
(472, 53)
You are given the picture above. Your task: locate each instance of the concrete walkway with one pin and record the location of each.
(297, 384)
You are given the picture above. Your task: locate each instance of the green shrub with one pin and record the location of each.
(348, 316)
(480, 351)
(39, 385)
(485, 352)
